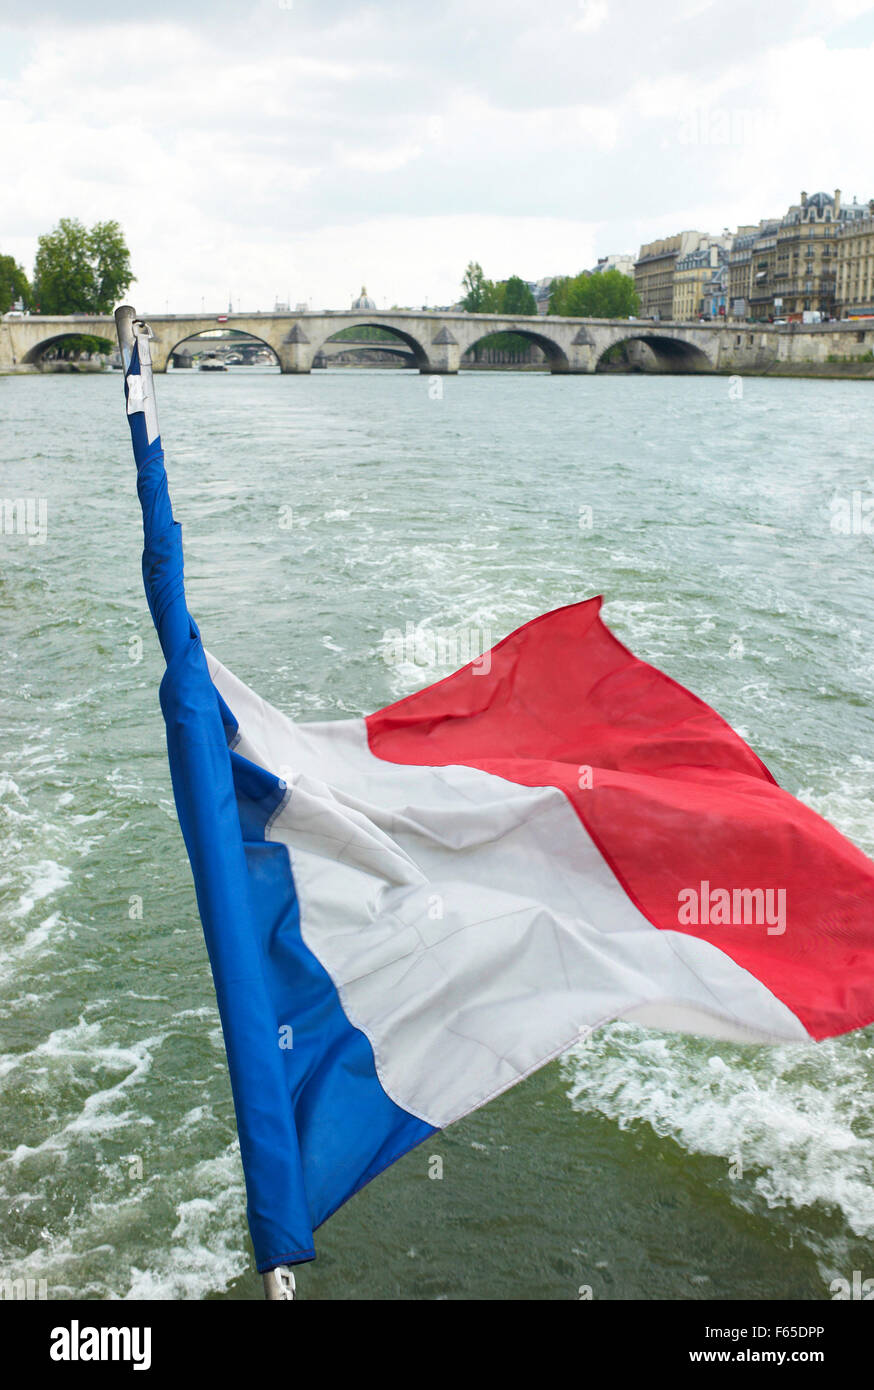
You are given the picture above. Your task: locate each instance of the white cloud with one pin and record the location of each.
(303, 150)
(592, 15)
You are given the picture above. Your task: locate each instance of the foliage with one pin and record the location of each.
(370, 332)
(80, 270)
(514, 344)
(482, 296)
(78, 345)
(516, 298)
(607, 294)
(13, 284)
(511, 297)
(474, 285)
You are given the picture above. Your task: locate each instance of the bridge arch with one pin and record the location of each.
(225, 343)
(403, 355)
(672, 355)
(35, 354)
(556, 357)
(388, 345)
(412, 343)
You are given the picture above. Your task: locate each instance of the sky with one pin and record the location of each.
(258, 150)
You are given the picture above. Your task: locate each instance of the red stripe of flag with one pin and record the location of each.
(671, 795)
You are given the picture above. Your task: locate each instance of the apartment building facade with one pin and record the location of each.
(654, 272)
(803, 267)
(854, 284)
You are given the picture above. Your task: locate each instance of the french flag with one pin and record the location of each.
(407, 914)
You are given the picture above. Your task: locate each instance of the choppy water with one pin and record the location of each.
(643, 1165)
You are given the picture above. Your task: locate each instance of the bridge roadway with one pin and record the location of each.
(437, 340)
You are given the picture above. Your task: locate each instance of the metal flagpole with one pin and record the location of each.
(279, 1284)
(134, 336)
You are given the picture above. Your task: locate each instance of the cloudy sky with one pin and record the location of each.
(297, 148)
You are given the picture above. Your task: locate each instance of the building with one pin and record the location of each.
(362, 302)
(749, 245)
(621, 262)
(751, 274)
(714, 302)
(542, 289)
(802, 269)
(654, 272)
(701, 282)
(854, 282)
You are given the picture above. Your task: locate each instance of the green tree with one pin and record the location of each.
(474, 286)
(81, 271)
(607, 294)
(510, 297)
(13, 283)
(493, 297)
(559, 294)
(371, 331)
(517, 298)
(78, 345)
(111, 261)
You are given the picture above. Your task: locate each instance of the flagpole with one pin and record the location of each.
(279, 1284)
(134, 337)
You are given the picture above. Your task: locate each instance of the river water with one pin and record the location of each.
(320, 513)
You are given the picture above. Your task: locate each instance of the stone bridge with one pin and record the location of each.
(437, 340)
(225, 345)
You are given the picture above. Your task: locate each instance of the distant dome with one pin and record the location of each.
(362, 302)
(820, 200)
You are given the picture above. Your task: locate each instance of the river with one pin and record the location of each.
(320, 513)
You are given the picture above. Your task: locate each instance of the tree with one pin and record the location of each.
(474, 285)
(111, 261)
(509, 297)
(371, 331)
(607, 294)
(559, 292)
(517, 298)
(484, 296)
(13, 284)
(493, 297)
(81, 271)
(76, 345)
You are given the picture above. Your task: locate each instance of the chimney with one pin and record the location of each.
(803, 199)
(837, 203)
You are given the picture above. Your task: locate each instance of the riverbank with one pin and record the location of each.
(55, 369)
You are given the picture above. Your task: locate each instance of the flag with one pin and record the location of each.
(408, 913)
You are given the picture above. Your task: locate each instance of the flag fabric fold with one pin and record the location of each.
(408, 913)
